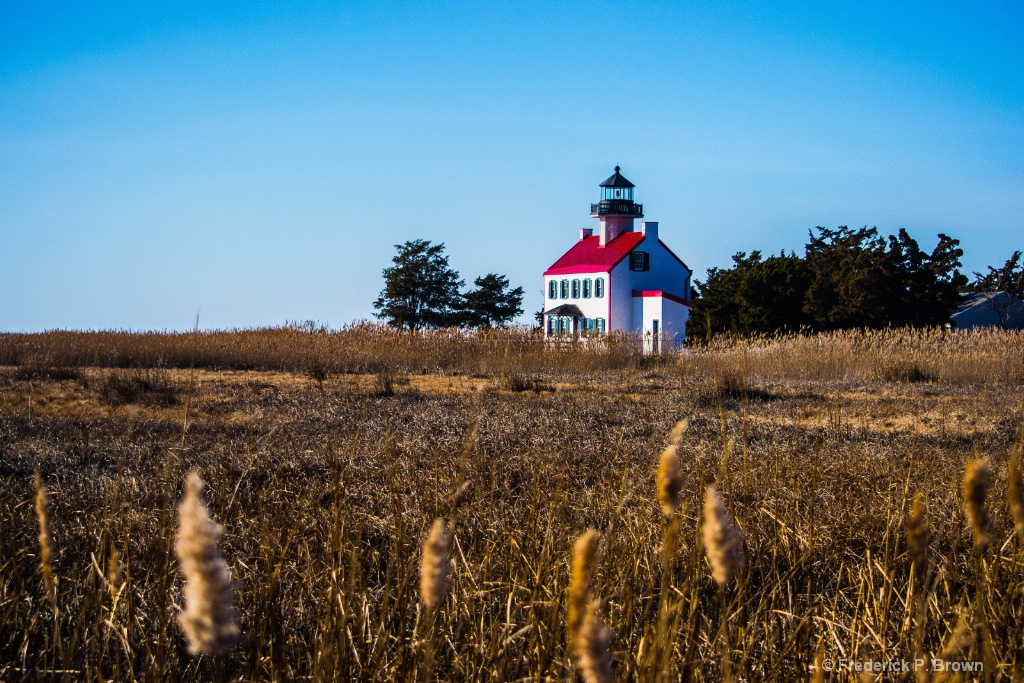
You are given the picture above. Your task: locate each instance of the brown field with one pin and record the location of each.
(328, 456)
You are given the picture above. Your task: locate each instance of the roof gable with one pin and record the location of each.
(588, 256)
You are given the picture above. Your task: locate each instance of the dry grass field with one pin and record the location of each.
(328, 456)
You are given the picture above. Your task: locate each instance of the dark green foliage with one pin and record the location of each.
(1009, 278)
(863, 280)
(491, 304)
(755, 296)
(421, 289)
(847, 279)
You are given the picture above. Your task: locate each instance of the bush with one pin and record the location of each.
(146, 386)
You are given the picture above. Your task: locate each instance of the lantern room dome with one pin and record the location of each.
(617, 180)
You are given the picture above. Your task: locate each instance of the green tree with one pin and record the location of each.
(847, 279)
(754, 296)
(420, 289)
(862, 280)
(491, 303)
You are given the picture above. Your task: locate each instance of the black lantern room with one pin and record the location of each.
(617, 198)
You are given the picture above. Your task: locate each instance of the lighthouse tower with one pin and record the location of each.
(617, 211)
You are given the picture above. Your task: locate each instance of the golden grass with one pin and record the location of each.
(326, 488)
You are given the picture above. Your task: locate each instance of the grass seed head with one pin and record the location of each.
(584, 554)
(1015, 496)
(723, 541)
(209, 620)
(670, 481)
(595, 639)
(436, 566)
(959, 641)
(918, 537)
(46, 551)
(977, 480)
(115, 574)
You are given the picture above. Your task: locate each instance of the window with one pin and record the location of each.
(564, 289)
(639, 260)
(575, 289)
(600, 325)
(599, 287)
(586, 287)
(552, 289)
(551, 325)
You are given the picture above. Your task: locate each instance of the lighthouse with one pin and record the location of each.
(622, 279)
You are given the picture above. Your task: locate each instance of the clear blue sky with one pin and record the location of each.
(256, 163)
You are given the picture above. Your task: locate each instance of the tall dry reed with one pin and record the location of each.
(46, 552)
(723, 540)
(581, 579)
(918, 537)
(209, 620)
(594, 643)
(670, 476)
(436, 565)
(977, 481)
(1015, 495)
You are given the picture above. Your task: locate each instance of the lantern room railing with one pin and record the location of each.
(616, 207)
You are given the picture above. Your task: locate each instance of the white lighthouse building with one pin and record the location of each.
(620, 279)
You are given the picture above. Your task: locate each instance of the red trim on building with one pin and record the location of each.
(588, 256)
(664, 295)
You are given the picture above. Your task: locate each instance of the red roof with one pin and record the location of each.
(588, 256)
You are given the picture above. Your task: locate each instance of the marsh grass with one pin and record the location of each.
(326, 491)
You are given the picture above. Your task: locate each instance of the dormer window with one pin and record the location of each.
(639, 261)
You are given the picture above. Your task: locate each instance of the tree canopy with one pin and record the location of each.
(422, 290)
(491, 303)
(846, 278)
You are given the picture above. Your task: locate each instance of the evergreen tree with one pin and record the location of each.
(421, 289)
(849, 278)
(491, 303)
(862, 280)
(754, 296)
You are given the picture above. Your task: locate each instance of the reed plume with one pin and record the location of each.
(977, 481)
(595, 639)
(819, 660)
(670, 480)
(958, 642)
(209, 621)
(918, 536)
(723, 541)
(115, 574)
(1015, 496)
(46, 552)
(436, 566)
(584, 554)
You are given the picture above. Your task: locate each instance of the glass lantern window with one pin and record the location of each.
(620, 193)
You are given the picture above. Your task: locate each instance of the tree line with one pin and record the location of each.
(846, 278)
(422, 290)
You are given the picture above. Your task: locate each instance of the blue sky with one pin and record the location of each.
(257, 163)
